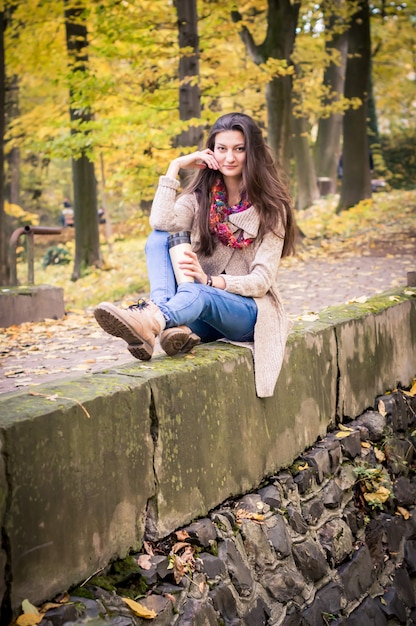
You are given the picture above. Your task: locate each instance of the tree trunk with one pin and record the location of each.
(282, 19)
(87, 244)
(13, 159)
(108, 224)
(356, 181)
(87, 250)
(4, 240)
(279, 105)
(372, 111)
(307, 191)
(13, 182)
(327, 147)
(189, 92)
(377, 163)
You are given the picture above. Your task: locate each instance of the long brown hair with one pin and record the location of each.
(260, 182)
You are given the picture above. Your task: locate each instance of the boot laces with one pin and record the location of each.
(141, 304)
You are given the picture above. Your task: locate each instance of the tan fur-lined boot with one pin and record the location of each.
(138, 325)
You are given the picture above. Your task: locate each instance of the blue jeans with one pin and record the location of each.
(211, 313)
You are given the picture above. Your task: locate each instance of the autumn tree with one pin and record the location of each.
(356, 180)
(306, 180)
(282, 19)
(132, 84)
(393, 61)
(4, 264)
(328, 141)
(87, 247)
(288, 118)
(189, 92)
(307, 187)
(392, 114)
(13, 156)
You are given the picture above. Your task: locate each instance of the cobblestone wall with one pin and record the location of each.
(330, 540)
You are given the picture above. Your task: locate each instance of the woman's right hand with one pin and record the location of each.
(195, 160)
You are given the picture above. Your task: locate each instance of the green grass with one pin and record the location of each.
(124, 275)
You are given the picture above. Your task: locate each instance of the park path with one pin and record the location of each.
(33, 354)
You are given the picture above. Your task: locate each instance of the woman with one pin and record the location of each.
(241, 223)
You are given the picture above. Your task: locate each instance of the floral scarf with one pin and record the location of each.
(218, 217)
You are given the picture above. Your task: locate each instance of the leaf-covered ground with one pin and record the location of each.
(382, 226)
(366, 250)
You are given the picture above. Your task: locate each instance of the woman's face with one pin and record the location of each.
(230, 152)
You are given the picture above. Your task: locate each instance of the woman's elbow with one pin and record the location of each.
(156, 224)
(261, 287)
(260, 293)
(259, 290)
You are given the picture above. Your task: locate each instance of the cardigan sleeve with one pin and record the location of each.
(263, 270)
(169, 213)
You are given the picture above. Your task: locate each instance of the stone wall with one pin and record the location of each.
(91, 467)
(30, 304)
(330, 540)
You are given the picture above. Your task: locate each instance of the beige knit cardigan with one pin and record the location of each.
(250, 271)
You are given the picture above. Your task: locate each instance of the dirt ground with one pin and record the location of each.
(33, 354)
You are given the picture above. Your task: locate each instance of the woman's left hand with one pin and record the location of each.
(189, 264)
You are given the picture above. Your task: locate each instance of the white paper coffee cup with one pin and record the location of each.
(178, 243)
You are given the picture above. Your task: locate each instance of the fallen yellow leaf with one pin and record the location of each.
(139, 609)
(381, 495)
(50, 605)
(309, 317)
(403, 512)
(365, 444)
(413, 389)
(346, 428)
(379, 454)
(342, 433)
(382, 408)
(31, 615)
(29, 619)
(28, 607)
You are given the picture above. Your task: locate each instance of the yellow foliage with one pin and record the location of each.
(356, 227)
(403, 512)
(378, 497)
(30, 616)
(379, 454)
(412, 391)
(139, 609)
(29, 619)
(132, 81)
(24, 217)
(346, 428)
